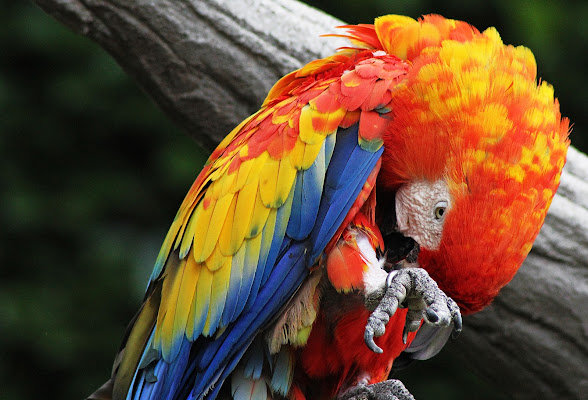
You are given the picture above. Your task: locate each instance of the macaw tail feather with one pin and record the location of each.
(132, 350)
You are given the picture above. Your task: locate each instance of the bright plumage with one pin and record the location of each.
(268, 270)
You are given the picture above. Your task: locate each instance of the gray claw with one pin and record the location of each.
(391, 389)
(368, 337)
(390, 277)
(415, 288)
(457, 322)
(431, 315)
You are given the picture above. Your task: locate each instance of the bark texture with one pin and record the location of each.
(209, 63)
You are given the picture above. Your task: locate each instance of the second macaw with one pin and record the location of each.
(286, 246)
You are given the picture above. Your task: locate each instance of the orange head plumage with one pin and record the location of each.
(471, 113)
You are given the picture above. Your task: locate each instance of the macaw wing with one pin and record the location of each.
(269, 200)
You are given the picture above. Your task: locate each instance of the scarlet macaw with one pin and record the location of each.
(276, 261)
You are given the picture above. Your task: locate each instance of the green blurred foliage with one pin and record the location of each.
(92, 174)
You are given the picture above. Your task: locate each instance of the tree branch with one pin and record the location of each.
(208, 64)
(533, 340)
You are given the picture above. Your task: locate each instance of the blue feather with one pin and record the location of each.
(346, 159)
(259, 270)
(158, 378)
(282, 217)
(291, 265)
(347, 167)
(307, 197)
(316, 206)
(153, 390)
(226, 371)
(283, 371)
(330, 143)
(176, 370)
(137, 391)
(143, 361)
(238, 279)
(337, 206)
(292, 269)
(296, 216)
(200, 318)
(253, 359)
(348, 170)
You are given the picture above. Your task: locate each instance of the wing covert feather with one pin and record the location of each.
(261, 212)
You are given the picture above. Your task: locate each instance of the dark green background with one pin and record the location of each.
(92, 173)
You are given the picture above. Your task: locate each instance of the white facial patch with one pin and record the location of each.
(421, 208)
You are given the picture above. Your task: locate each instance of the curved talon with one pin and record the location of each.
(455, 317)
(431, 315)
(414, 288)
(368, 337)
(391, 276)
(457, 325)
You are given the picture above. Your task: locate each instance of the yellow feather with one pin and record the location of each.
(243, 174)
(297, 154)
(201, 300)
(195, 269)
(168, 331)
(201, 226)
(328, 122)
(209, 226)
(253, 249)
(279, 117)
(307, 132)
(222, 164)
(258, 218)
(268, 233)
(224, 240)
(244, 150)
(303, 155)
(216, 259)
(286, 176)
(179, 225)
(218, 294)
(262, 114)
(187, 236)
(229, 138)
(186, 296)
(276, 180)
(233, 232)
(310, 153)
(169, 295)
(268, 178)
(227, 183)
(217, 220)
(404, 24)
(258, 165)
(214, 191)
(164, 304)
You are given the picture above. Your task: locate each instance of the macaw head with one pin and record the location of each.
(474, 152)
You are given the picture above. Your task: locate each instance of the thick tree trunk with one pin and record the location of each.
(209, 64)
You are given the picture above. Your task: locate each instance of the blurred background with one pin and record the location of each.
(92, 174)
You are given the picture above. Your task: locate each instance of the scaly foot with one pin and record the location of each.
(415, 289)
(391, 389)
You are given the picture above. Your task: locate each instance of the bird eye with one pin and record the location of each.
(440, 210)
